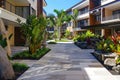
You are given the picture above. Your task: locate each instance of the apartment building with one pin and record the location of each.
(110, 17)
(100, 16)
(13, 10)
(83, 18)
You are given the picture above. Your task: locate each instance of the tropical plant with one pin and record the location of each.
(105, 45)
(51, 19)
(3, 41)
(61, 18)
(34, 30)
(117, 48)
(74, 19)
(118, 59)
(57, 21)
(84, 36)
(67, 34)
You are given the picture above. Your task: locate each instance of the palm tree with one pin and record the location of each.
(74, 19)
(60, 19)
(52, 23)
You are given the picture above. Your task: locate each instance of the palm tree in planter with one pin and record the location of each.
(74, 19)
(34, 30)
(60, 19)
(52, 23)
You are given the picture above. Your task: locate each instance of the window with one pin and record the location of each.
(82, 23)
(22, 11)
(2, 3)
(116, 14)
(98, 18)
(83, 10)
(96, 2)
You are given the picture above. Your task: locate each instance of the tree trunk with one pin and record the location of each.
(74, 32)
(45, 38)
(59, 33)
(6, 70)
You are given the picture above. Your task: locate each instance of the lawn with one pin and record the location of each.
(63, 40)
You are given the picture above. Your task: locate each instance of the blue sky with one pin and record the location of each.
(59, 5)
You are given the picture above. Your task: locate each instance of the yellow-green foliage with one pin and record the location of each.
(84, 36)
(118, 60)
(105, 45)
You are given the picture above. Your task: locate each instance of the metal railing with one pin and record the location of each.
(113, 17)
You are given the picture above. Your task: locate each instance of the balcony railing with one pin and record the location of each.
(113, 17)
(83, 12)
(79, 26)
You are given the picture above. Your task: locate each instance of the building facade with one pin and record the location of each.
(100, 16)
(13, 10)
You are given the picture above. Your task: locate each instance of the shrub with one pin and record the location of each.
(105, 45)
(85, 36)
(67, 34)
(18, 67)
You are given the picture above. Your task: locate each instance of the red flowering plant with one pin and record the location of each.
(116, 48)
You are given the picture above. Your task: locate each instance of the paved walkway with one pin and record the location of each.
(67, 62)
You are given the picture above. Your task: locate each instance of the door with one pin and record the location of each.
(19, 38)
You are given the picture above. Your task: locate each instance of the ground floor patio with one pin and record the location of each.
(66, 61)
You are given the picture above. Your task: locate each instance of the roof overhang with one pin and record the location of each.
(21, 2)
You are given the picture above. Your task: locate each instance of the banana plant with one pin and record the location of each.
(34, 30)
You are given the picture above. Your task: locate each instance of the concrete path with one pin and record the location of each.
(67, 62)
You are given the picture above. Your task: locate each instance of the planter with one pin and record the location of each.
(102, 56)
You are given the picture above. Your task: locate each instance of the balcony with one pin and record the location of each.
(113, 18)
(83, 16)
(78, 28)
(5, 14)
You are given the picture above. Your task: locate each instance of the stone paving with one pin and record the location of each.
(67, 62)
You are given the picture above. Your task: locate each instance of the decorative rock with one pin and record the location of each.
(6, 70)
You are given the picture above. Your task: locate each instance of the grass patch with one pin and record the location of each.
(52, 43)
(19, 69)
(62, 40)
(26, 55)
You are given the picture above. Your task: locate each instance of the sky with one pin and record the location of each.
(59, 5)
